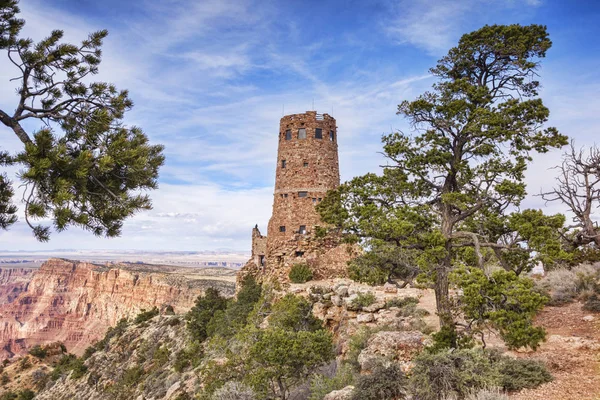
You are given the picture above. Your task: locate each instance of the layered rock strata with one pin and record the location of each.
(75, 302)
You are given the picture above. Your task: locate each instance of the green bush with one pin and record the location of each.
(321, 385)
(517, 374)
(227, 322)
(362, 300)
(21, 395)
(370, 275)
(452, 374)
(131, 377)
(146, 315)
(300, 273)
(401, 302)
(294, 313)
(38, 351)
(592, 303)
(199, 317)
(384, 383)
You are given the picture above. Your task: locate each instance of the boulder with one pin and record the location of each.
(364, 318)
(342, 394)
(337, 301)
(342, 291)
(398, 346)
(588, 318)
(390, 288)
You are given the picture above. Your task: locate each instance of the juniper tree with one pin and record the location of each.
(84, 167)
(448, 187)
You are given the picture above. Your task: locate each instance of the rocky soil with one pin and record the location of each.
(572, 353)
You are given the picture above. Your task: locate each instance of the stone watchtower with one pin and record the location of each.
(307, 167)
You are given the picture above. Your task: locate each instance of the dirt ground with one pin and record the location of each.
(572, 353)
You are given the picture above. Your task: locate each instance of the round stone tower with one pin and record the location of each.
(307, 167)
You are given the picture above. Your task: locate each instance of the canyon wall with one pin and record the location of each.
(75, 302)
(13, 281)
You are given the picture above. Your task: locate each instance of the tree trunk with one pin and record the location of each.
(442, 296)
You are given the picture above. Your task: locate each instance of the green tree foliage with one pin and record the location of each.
(294, 313)
(38, 351)
(226, 322)
(85, 167)
(275, 359)
(203, 311)
(384, 383)
(443, 196)
(281, 359)
(384, 262)
(144, 315)
(503, 302)
(300, 273)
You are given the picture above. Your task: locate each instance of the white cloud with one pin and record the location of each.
(435, 25)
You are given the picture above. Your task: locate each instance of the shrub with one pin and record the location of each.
(321, 385)
(25, 363)
(452, 374)
(146, 315)
(401, 302)
(294, 313)
(517, 374)
(227, 322)
(362, 300)
(384, 383)
(203, 311)
(487, 394)
(5, 379)
(21, 395)
(132, 376)
(233, 390)
(592, 303)
(300, 273)
(369, 275)
(38, 351)
(565, 285)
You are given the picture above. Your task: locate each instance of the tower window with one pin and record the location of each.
(283, 163)
(302, 194)
(282, 228)
(331, 136)
(299, 253)
(284, 195)
(318, 133)
(302, 133)
(314, 199)
(288, 135)
(302, 230)
(305, 164)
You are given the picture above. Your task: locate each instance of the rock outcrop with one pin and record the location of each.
(13, 281)
(75, 302)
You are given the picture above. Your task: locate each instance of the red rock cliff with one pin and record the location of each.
(13, 281)
(75, 302)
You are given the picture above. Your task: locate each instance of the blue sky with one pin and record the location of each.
(210, 80)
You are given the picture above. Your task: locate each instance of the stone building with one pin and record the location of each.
(307, 167)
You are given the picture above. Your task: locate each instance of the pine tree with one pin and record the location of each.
(84, 167)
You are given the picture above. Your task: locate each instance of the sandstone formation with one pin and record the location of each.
(307, 168)
(13, 281)
(75, 302)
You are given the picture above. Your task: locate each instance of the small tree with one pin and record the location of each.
(203, 311)
(85, 167)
